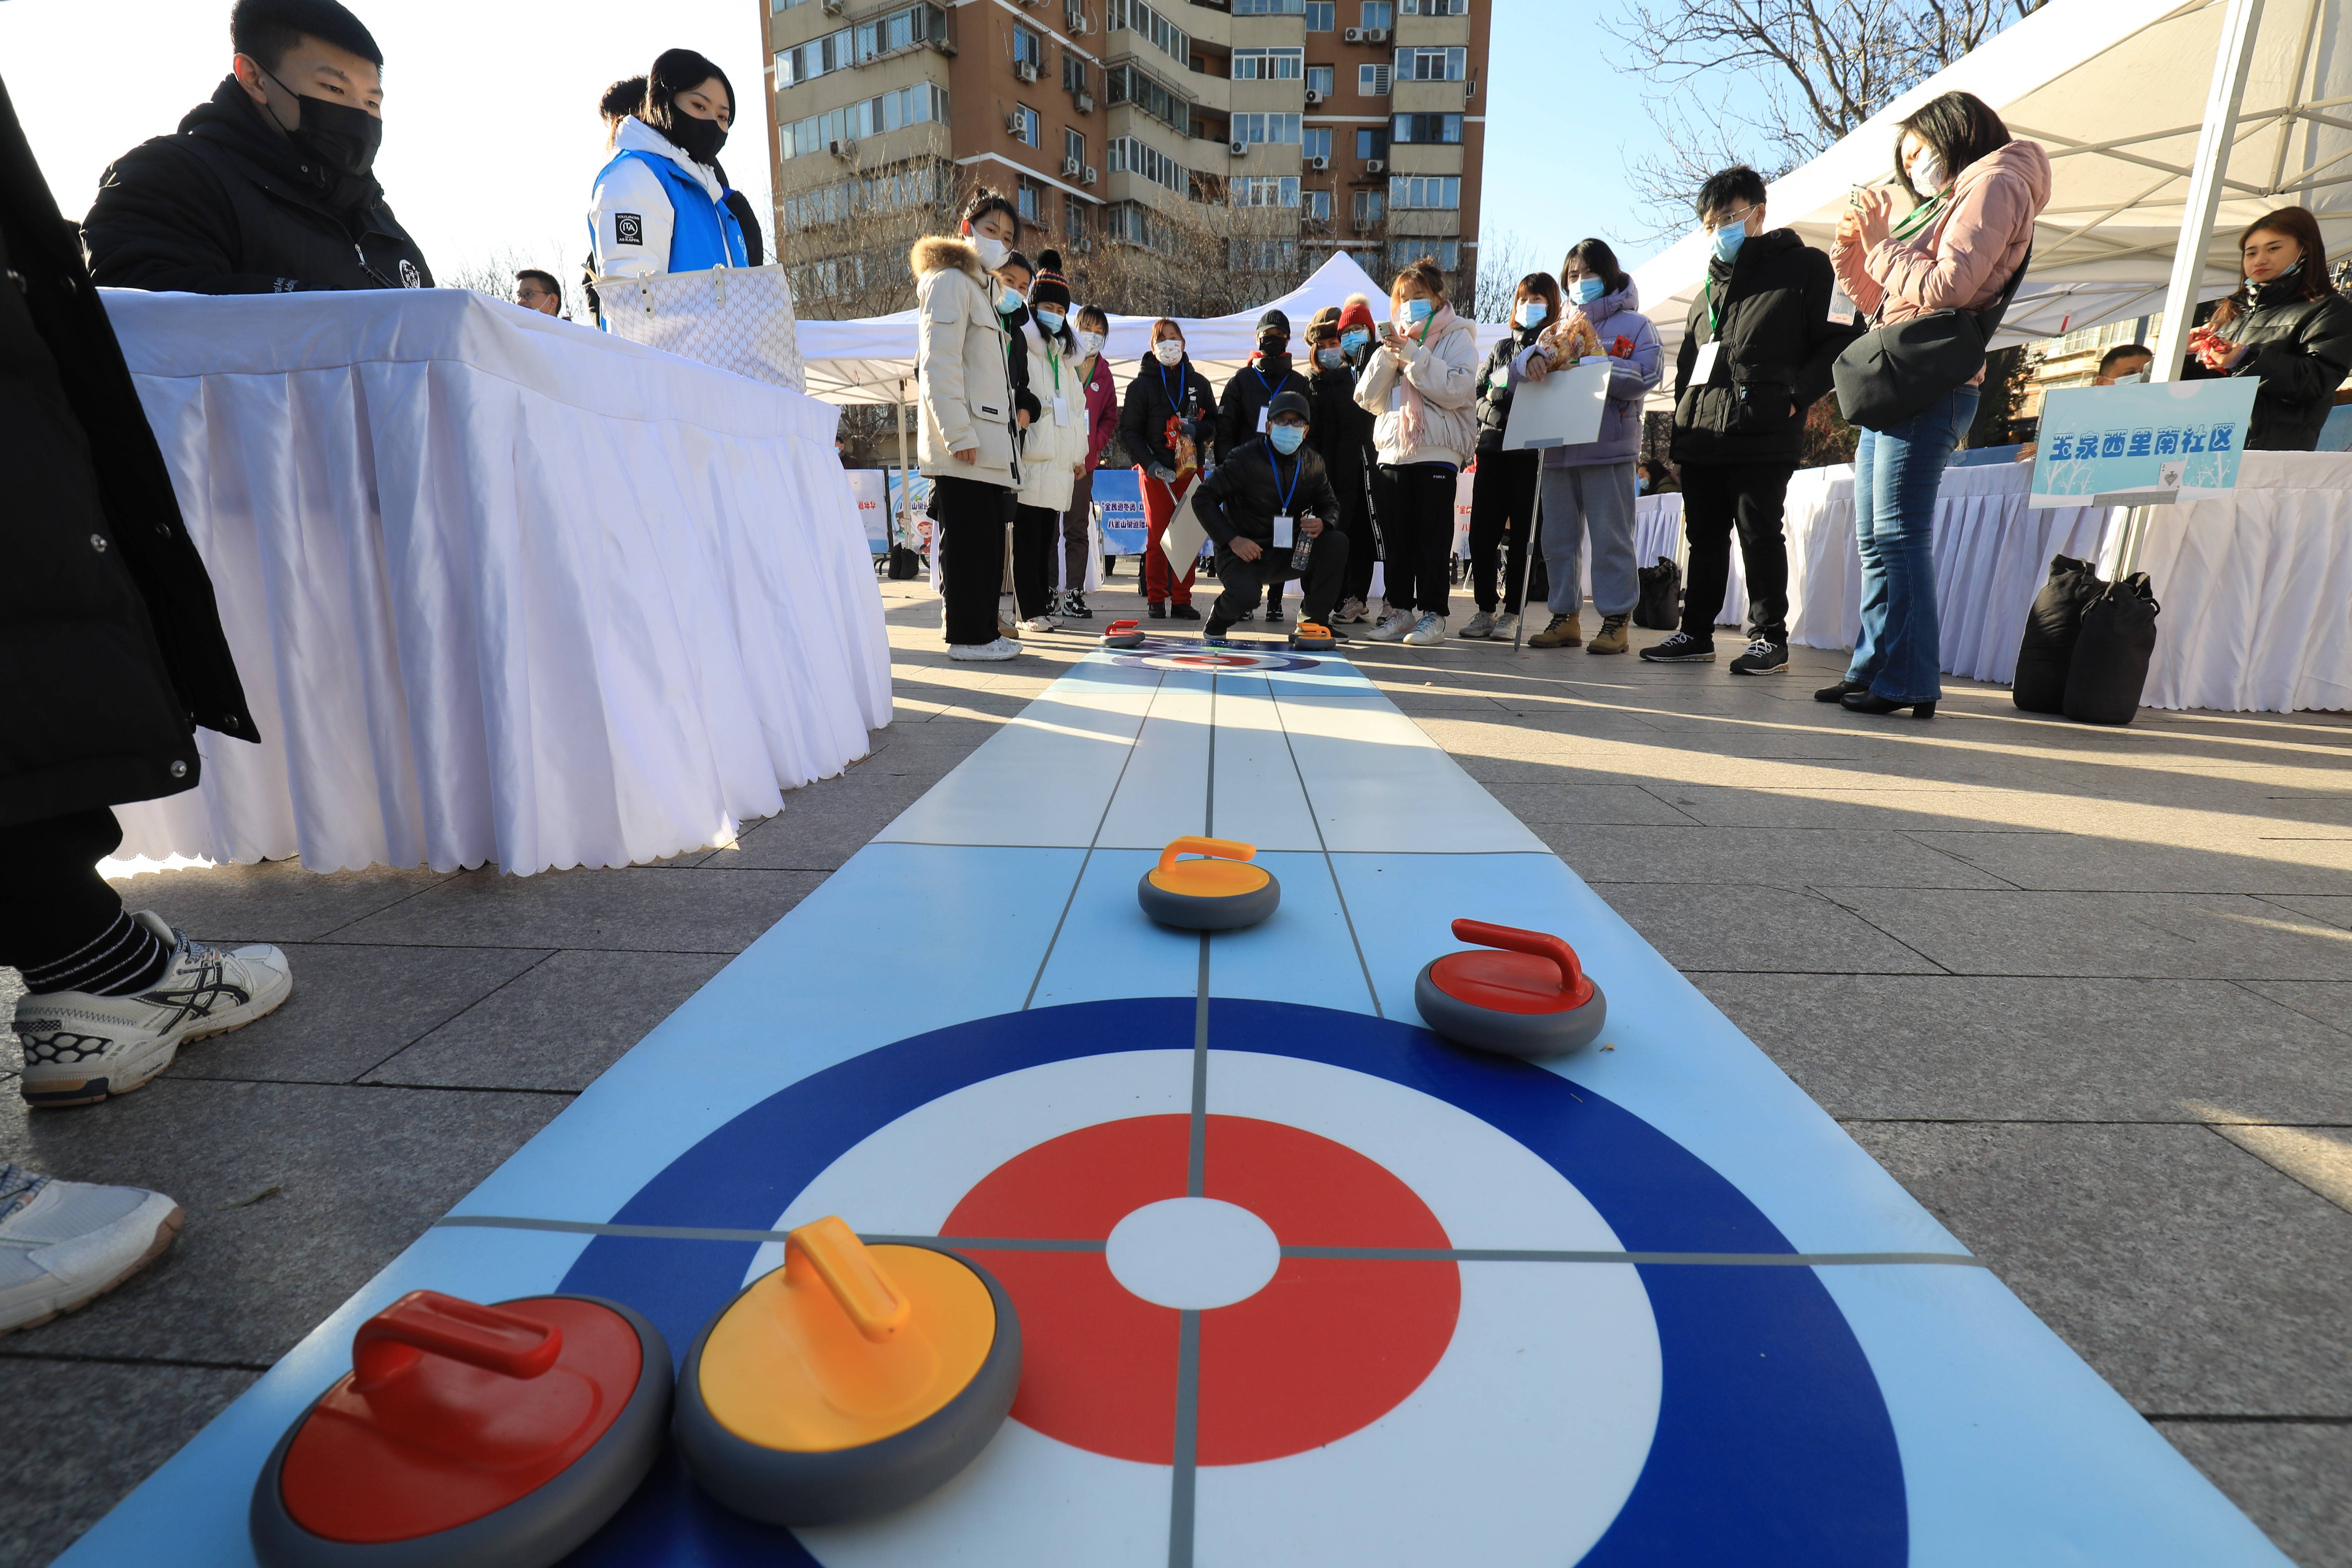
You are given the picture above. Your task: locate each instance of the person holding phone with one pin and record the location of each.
(2285, 326)
(1270, 494)
(1422, 384)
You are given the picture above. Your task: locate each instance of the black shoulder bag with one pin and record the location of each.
(1893, 372)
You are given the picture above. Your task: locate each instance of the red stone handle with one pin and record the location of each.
(1536, 944)
(426, 1323)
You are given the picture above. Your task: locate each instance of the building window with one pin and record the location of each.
(1433, 64)
(1262, 255)
(1130, 156)
(1379, 14)
(1318, 79)
(907, 28)
(1447, 253)
(1318, 204)
(1264, 191)
(1370, 207)
(910, 185)
(1133, 84)
(1371, 143)
(1268, 7)
(1277, 128)
(1138, 18)
(1426, 129)
(1074, 73)
(819, 132)
(1269, 65)
(1074, 147)
(1321, 14)
(1372, 81)
(1074, 217)
(1028, 50)
(1024, 126)
(1437, 8)
(1424, 191)
(1315, 142)
(1030, 197)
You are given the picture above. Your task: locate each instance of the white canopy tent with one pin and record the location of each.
(2117, 92)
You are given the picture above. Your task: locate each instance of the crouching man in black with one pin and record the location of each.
(1271, 493)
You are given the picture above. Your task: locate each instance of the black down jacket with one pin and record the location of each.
(1771, 312)
(1342, 430)
(1143, 419)
(1247, 394)
(1249, 487)
(2302, 351)
(228, 205)
(110, 648)
(1494, 388)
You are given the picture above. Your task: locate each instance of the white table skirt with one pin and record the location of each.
(501, 588)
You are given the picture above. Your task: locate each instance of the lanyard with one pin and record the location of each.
(1270, 386)
(1162, 371)
(1054, 361)
(1713, 320)
(1294, 469)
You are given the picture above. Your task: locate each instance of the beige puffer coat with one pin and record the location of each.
(1445, 368)
(966, 388)
(1051, 453)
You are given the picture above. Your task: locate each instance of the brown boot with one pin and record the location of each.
(1565, 631)
(1611, 638)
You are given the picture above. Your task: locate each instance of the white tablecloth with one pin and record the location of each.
(501, 588)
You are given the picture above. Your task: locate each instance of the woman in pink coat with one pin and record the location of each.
(1978, 193)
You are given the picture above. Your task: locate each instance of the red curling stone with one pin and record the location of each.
(1123, 634)
(1531, 998)
(469, 1437)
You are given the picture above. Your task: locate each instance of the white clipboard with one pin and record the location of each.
(1181, 543)
(1564, 409)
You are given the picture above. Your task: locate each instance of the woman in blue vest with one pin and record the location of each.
(661, 204)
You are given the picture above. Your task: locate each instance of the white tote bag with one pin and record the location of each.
(736, 317)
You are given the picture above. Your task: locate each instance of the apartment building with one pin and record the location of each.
(1291, 127)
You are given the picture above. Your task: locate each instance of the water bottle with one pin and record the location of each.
(1301, 551)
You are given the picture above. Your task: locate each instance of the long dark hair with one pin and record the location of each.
(1595, 256)
(2299, 225)
(1958, 127)
(1544, 286)
(675, 71)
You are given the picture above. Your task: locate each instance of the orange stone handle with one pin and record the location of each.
(1218, 848)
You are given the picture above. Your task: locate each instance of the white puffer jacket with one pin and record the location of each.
(1446, 369)
(1050, 453)
(967, 386)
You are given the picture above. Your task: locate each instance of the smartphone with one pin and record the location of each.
(1854, 195)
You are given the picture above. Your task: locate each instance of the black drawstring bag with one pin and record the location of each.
(904, 564)
(1660, 608)
(2112, 653)
(2047, 652)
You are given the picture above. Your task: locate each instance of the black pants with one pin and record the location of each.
(971, 515)
(53, 903)
(1327, 568)
(1363, 544)
(1415, 503)
(1074, 524)
(1503, 507)
(1717, 497)
(1034, 533)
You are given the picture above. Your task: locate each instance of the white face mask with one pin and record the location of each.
(1089, 344)
(992, 252)
(1928, 175)
(1169, 351)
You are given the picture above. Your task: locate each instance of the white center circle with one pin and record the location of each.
(1193, 1253)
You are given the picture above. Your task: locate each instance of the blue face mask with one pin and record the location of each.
(1331, 359)
(1418, 310)
(1727, 241)
(1049, 321)
(1587, 289)
(1008, 303)
(1533, 312)
(1354, 342)
(1286, 437)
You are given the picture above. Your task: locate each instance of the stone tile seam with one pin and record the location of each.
(419, 1039)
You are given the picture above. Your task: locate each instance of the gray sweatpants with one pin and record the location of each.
(1599, 499)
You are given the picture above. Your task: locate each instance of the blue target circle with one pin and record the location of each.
(1773, 1445)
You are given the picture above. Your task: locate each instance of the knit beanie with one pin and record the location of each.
(1357, 314)
(1049, 286)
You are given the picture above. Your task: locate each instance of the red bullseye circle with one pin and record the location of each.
(1328, 1347)
(1214, 660)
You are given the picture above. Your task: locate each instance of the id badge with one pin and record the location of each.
(1282, 540)
(1061, 411)
(1261, 421)
(1703, 367)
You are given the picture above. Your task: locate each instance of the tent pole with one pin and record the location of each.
(1528, 565)
(906, 488)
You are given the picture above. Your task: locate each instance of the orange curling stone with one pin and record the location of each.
(1222, 892)
(850, 1382)
(1531, 998)
(469, 1437)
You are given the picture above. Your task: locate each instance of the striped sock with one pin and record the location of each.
(124, 957)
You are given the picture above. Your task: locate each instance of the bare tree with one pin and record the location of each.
(1814, 70)
(494, 274)
(1505, 256)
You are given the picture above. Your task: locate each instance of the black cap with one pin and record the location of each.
(1289, 401)
(1274, 319)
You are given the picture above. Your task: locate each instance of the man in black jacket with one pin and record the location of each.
(1242, 406)
(1756, 354)
(1270, 493)
(268, 188)
(1342, 435)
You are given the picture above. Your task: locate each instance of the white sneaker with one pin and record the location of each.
(1481, 625)
(986, 652)
(1394, 625)
(1041, 624)
(1426, 632)
(65, 1243)
(1349, 613)
(1506, 628)
(79, 1048)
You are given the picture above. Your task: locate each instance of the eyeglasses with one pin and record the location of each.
(1730, 220)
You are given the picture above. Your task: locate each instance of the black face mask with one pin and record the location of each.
(341, 137)
(699, 140)
(1271, 343)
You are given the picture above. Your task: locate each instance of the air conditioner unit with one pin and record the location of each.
(845, 148)
(1089, 176)
(1076, 20)
(1086, 103)
(1238, 148)
(832, 7)
(1376, 166)
(1026, 69)
(1016, 127)
(1070, 167)
(1353, 35)
(1313, 98)
(1318, 165)
(1376, 34)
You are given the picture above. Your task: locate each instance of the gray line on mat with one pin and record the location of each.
(1084, 861)
(1188, 1432)
(1330, 869)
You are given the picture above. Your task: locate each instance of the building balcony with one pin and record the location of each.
(1425, 223)
(1424, 158)
(1429, 97)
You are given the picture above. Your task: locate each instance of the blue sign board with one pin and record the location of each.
(1118, 510)
(2137, 445)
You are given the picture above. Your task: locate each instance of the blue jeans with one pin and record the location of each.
(1896, 473)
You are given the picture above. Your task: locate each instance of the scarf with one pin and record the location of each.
(1416, 416)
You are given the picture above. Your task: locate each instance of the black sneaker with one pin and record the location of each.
(1274, 612)
(1682, 649)
(1184, 613)
(1763, 657)
(1215, 630)
(1158, 610)
(1073, 605)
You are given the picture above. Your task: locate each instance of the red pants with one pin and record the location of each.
(1159, 506)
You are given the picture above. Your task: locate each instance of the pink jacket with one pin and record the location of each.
(1964, 258)
(1102, 411)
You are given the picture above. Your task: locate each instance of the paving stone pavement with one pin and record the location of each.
(2086, 993)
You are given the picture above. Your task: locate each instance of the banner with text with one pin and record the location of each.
(1118, 510)
(2137, 445)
